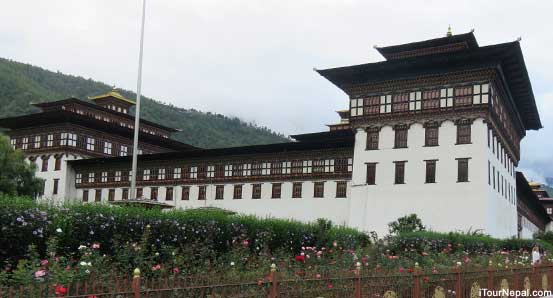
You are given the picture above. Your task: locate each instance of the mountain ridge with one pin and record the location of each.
(21, 84)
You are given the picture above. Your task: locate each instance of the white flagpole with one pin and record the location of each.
(137, 111)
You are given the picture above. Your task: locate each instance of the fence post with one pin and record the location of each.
(274, 286)
(490, 276)
(416, 282)
(535, 283)
(358, 280)
(458, 285)
(517, 286)
(136, 283)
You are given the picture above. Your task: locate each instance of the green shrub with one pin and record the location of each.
(27, 223)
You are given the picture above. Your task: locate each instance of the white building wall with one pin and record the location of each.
(443, 206)
(307, 208)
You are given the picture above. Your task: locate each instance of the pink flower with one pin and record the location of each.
(334, 244)
(246, 242)
(176, 270)
(260, 282)
(319, 253)
(330, 286)
(96, 245)
(156, 267)
(44, 263)
(40, 273)
(424, 253)
(401, 269)
(503, 252)
(91, 296)
(318, 276)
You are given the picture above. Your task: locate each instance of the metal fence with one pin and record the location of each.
(358, 283)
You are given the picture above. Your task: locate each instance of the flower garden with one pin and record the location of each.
(59, 246)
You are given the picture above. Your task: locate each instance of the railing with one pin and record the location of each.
(358, 283)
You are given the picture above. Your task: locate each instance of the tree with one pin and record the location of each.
(408, 223)
(17, 177)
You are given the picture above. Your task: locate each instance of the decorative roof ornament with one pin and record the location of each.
(449, 33)
(113, 93)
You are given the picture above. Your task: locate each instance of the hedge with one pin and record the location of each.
(25, 222)
(454, 241)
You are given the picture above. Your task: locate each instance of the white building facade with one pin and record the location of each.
(435, 130)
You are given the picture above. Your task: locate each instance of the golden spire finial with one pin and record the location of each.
(449, 33)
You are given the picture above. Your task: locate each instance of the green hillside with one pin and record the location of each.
(21, 84)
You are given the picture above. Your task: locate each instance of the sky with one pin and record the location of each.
(255, 59)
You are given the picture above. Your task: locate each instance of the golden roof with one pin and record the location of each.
(113, 94)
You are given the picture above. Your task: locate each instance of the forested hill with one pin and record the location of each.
(21, 84)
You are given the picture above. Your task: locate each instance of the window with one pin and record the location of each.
(161, 174)
(89, 144)
(400, 140)
(400, 102)
(296, 190)
(415, 101)
(107, 148)
(193, 172)
(57, 163)
(72, 139)
(276, 168)
(247, 171)
(462, 96)
(25, 144)
(169, 194)
(177, 173)
(481, 94)
(341, 189)
(256, 191)
(153, 194)
(430, 171)
(318, 166)
(356, 107)
(111, 195)
(123, 150)
(85, 195)
(463, 133)
(50, 141)
(237, 170)
(400, 172)
(125, 195)
(228, 170)
(341, 165)
(385, 104)
(549, 210)
(210, 171)
(201, 192)
(219, 171)
(372, 105)
(37, 142)
(78, 178)
(56, 184)
(118, 176)
(98, 195)
(446, 97)
(237, 194)
(185, 194)
(371, 173)
(431, 134)
(104, 177)
(431, 99)
(462, 170)
(275, 194)
(91, 177)
(372, 138)
(14, 143)
(219, 192)
(318, 189)
(146, 175)
(44, 167)
(139, 193)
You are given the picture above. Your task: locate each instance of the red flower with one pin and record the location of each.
(60, 290)
(330, 286)
(411, 270)
(260, 282)
(300, 259)
(176, 270)
(246, 242)
(91, 296)
(401, 269)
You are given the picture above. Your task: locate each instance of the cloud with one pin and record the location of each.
(254, 59)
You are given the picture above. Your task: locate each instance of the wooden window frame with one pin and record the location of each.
(399, 172)
(125, 194)
(202, 192)
(85, 195)
(341, 189)
(318, 189)
(219, 192)
(111, 195)
(237, 192)
(297, 190)
(185, 193)
(373, 135)
(464, 133)
(44, 165)
(463, 170)
(57, 163)
(431, 136)
(401, 137)
(169, 193)
(154, 194)
(55, 189)
(430, 171)
(276, 190)
(256, 191)
(371, 173)
(98, 195)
